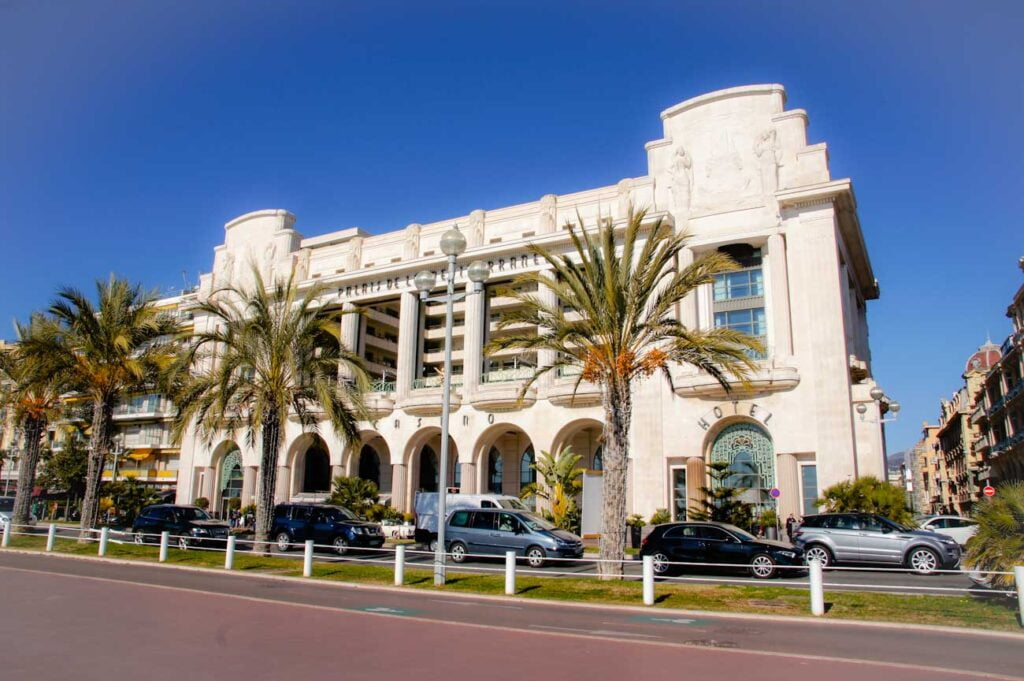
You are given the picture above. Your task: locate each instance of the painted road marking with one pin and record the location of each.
(388, 611)
(668, 620)
(476, 605)
(599, 632)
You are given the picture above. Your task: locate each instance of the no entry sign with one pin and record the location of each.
(989, 491)
(775, 493)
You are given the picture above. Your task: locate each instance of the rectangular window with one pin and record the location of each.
(738, 297)
(742, 284)
(809, 488)
(679, 500)
(750, 321)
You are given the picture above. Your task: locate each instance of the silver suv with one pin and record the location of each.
(832, 538)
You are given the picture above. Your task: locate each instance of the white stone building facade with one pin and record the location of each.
(735, 171)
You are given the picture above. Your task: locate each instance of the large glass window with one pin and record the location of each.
(738, 297)
(495, 471)
(742, 284)
(809, 487)
(526, 473)
(750, 321)
(750, 457)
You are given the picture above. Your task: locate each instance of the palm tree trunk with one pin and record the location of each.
(615, 451)
(27, 470)
(99, 445)
(271, 435)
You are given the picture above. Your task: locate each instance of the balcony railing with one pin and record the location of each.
(1007, 443)
(382, 387)
(506, 375)
(434, 381)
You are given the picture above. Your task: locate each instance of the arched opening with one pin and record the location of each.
(369, 465)
(423, 457)
(428, 470)
(527, 475)
(748, 453)
(316, 468)
(495, 471)
(585, 436)
(597, 463)
(231, 480)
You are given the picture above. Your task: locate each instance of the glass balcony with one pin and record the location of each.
(434, 381)
(506, 375)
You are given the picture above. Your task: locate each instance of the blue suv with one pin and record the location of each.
(332, 526)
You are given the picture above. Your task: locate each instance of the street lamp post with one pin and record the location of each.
(14, 468)
(117, 452)
(453, 244)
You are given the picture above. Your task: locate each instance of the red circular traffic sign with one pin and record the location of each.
(989, 491)
(775, 493)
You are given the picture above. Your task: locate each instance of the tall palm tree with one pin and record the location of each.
(34, 401)
(617, 326)
(268, 353)
(103, 351)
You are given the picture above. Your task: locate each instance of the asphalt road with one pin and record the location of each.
(67, 618)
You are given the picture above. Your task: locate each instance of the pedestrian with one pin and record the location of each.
(790, 525)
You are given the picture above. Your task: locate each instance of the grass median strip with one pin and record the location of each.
(965, 611)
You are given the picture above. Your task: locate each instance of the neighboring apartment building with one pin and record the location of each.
(999, 415)
(926, 470)
(734, 169)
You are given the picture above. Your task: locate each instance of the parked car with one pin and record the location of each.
(717, 544)
(7, 510)
(494, 531)
(397, 529)
(833, 538)
(953, 526)
(333, 526)
(426, 510)
(187, 525)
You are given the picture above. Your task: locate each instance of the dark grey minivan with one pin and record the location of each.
(495, 531)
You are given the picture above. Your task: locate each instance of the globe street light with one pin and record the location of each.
(453, 244)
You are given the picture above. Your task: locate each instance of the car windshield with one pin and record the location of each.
(742, 534)
(192, 514)
(513, 504)
(341, 513)
(535, 522)
(6, 503)
(893, 524)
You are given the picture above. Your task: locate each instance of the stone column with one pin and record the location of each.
(547, 357)
(209, 484)
(468, 485)
(350, 322)
(408, 326)
(398, 500)
(249, 484)
(779, 281)
(787, 475)
(473, 341)
(337, 472)
(686, 311)
(282, 489)
(696, 477)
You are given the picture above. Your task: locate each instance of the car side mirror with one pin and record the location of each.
(886, 529)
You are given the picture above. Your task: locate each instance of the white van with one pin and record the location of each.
(426, 510)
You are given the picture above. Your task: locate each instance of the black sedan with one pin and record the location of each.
(717, 546)
(187, 525)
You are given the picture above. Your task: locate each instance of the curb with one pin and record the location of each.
(757, 617)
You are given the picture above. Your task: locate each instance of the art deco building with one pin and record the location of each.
(735, 170)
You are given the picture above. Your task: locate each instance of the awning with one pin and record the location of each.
(140, 454)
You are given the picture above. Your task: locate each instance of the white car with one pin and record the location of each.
(960, 529)
(396, 529)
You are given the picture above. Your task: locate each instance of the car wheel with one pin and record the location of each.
(183, 543)
(140, 538)
(432, 545)
(923, 561)
(340, 545)
(283, 541)
(535, 556)
(458, 551)
(817, 552)
(762, 566)
(661, 563)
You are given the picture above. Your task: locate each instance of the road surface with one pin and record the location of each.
(75, 619)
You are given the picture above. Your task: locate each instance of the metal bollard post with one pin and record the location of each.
(817, 589)
(307, 559)
(6, 541)
(51, 536)
(648, 580)
(1018, 578)
(400, 565)
(104, 537)
(510, 573)
(165, 539)
(229, 554)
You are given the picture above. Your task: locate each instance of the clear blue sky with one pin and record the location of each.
(131, 131)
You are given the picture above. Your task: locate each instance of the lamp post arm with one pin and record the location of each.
(442, 475)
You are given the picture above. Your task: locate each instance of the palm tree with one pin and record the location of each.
(562, 485)
(34, 401)
(102, 352)
(268, 353)
(998, 544)
(617, 326)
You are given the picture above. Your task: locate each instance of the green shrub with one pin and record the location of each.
(661, 516)
(202, 502)
(998, 544)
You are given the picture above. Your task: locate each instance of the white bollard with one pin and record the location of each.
(1018, 577)
(104, 537)
(6, 541)
(648, 580)
(165, 539)
(400, 565)
(229, 554)
(307, 559)
(817, 589)
(510, 573)
(51, 536)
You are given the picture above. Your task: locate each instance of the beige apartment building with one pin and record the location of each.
(736, 171)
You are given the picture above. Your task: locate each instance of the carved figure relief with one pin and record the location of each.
(411, 248)
(548, 214)
(767, 150)
(300, 263)
(476, 229)
(267, 265)
(625, 188)
(355, 254)
(226, 271)
(681, 172)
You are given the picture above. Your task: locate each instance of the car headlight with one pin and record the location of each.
(198, 531)
(786, 554)
(357, 530)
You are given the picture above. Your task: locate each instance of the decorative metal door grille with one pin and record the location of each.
(748, 451)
